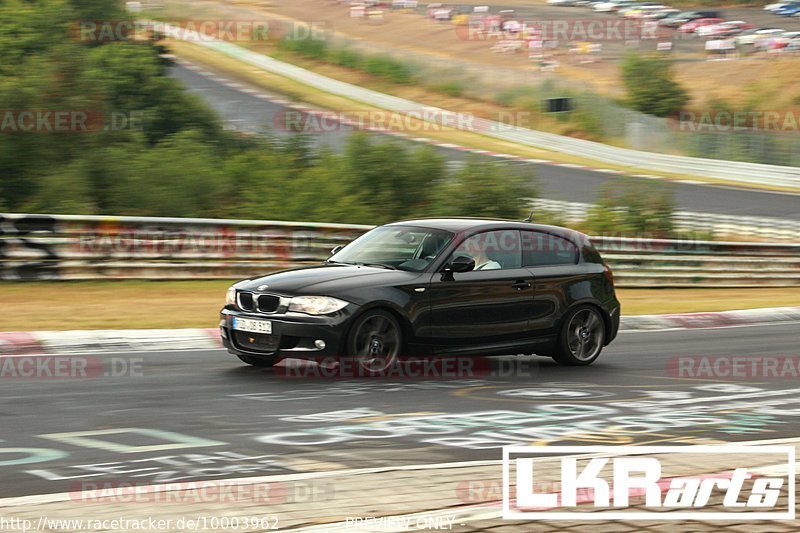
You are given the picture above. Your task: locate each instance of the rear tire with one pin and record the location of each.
(261, 362)
(582, 337)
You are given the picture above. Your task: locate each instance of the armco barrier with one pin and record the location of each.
(66, 247)
(766, 228)
(754, 173)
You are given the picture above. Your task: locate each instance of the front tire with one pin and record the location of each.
(261, 362)
(581, 338)
(375, 341)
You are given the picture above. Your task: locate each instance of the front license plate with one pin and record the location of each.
(252, 326)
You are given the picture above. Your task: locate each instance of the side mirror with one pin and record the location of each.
(462, 263)
(335, 250)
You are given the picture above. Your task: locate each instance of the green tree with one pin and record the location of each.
(651, 85)
(66, 191)
(393, 179)
(131, 79)
(44, 68)
(30, 28)
(178, 177)
(486, 189)
(99, 10)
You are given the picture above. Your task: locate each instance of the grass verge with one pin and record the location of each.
(163, 304)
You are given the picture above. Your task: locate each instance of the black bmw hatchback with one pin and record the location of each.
(432, 287)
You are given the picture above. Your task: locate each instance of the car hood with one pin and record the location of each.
(325, 279)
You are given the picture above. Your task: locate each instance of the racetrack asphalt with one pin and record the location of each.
(245, 112)
(198, 415)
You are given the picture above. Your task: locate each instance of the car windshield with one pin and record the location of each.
(396, 247)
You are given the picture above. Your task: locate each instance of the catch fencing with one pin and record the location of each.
(67, 247)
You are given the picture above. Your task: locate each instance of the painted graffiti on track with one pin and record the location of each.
(707, 414)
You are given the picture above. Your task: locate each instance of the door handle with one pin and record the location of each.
(521, 284)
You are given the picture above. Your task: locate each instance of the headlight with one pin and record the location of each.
(316, 305)
(230, 297)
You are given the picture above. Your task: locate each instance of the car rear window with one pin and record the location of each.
(545, 249)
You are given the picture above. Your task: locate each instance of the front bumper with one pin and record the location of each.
(294, 335)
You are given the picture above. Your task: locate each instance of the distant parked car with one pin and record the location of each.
(693, 25)
(774, 6)
(789, 39)
(640, 6)
(631, 12)
(676, 19)
(793, 45)
(683, 17)
(614, 5)
(723, 29)
(752, 35)
(640, 12)
(437, 10)
(660, 14)
(789, 10)
(638, 9)
(621, 10)
(562, 2)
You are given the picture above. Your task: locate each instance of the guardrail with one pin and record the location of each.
(66, 247)
(720, 225)
(754, 173)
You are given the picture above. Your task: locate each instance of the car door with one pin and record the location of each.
(559, 279)
(489, 305)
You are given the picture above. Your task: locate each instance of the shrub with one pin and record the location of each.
(651, 85)
(388, 68)
(345, 57)
(486, 189)
(632, 207)
(450, 88)
(308, 46)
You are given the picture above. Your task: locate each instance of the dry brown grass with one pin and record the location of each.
(659, 301)
(773, 84)
(32, 306)
(186, 304)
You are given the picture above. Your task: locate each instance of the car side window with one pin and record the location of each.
(545, 249)
(492, 250)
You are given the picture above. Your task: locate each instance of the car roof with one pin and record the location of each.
(457, 225)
